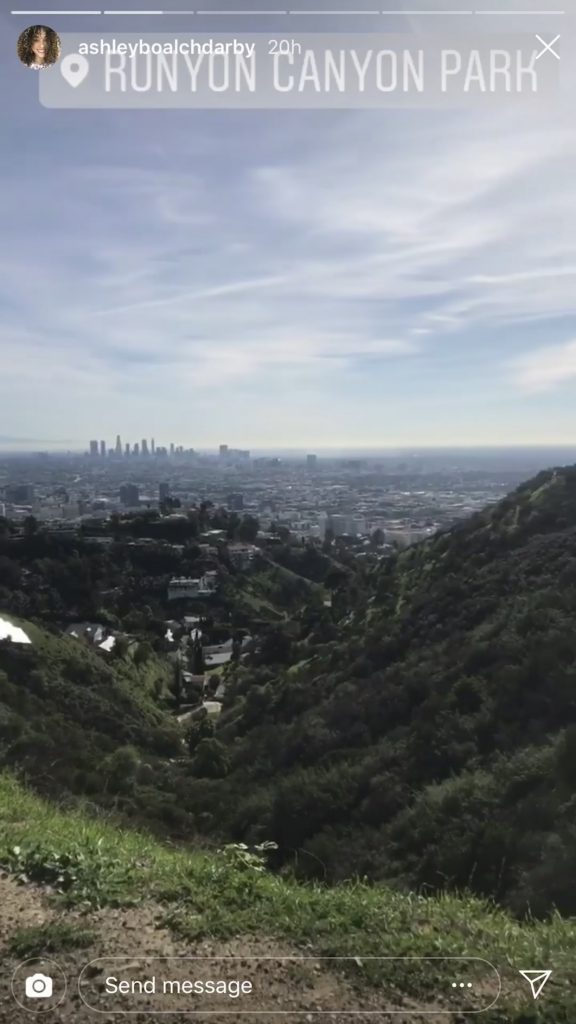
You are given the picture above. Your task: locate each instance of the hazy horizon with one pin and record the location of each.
(339, 450)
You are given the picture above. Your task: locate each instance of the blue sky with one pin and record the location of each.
(293, 279)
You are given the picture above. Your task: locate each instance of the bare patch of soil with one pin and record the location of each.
(278, 985)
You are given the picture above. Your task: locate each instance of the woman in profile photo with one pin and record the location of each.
(38, 47)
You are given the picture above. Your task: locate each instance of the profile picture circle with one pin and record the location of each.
(39, 47)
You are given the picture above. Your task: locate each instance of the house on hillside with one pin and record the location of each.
(216, 660)
(242, 555)
(208, 550)
(193, 685)
(213, 707)
(193, 679)
(221, 654)
(224, 648)
(93, 634)
(186, 587)
(214, 536)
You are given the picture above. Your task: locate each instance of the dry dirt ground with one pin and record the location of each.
(136, 932)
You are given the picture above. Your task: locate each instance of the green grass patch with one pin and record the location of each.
(54, 937)
(92, 863)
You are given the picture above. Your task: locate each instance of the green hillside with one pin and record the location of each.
(90, 865)
(424, 737)
(76, 724)
(272, 593)
(120, 575)
(416, 751)
(434, 743)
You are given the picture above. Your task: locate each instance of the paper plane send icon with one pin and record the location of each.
(536, 980)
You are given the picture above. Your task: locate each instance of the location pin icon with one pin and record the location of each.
(74, 69)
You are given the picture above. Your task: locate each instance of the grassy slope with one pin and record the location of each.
(95, 864)
(273, 592)
(65, 710)
(120, 676)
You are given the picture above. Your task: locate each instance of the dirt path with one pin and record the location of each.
(136, 932)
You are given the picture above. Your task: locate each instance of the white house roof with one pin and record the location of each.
(213, 707)
(8, 631)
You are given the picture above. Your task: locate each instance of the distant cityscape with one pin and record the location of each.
(143, 449)
(400, 497)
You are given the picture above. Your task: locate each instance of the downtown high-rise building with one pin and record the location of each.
(102, 449)
(144, 448)
(118, 445)
(235, 502)
(93, 448)
(129, 495)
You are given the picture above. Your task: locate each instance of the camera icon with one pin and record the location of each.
(38, 986)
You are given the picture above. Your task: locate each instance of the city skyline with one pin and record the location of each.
(33, 446)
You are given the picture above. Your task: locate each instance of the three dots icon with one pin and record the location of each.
(461, 984)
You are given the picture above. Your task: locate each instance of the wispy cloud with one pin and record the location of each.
(373, 264)
(545, 369)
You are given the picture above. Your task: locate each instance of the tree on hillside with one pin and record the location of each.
(119, 769)
(204, 515)
(276, 647)
(120, 649)
(202, 728)
(211, 760)
(10, 575)
(248, 529)
(143, 653)
(335, 578)
(197, 658)
(566, 757)
(328, 540)
(30, 526)
(176, 686)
